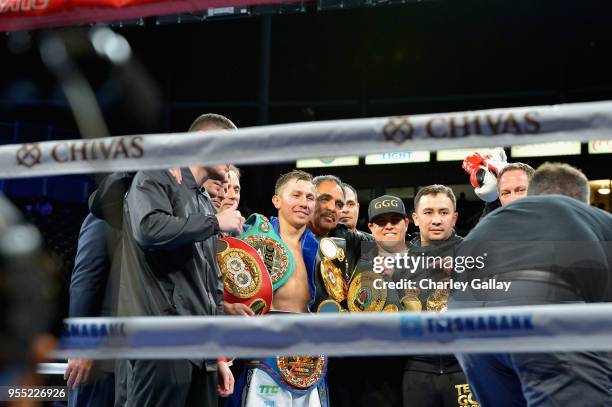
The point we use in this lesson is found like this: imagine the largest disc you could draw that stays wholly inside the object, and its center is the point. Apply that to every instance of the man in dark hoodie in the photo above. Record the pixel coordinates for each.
(431, 380)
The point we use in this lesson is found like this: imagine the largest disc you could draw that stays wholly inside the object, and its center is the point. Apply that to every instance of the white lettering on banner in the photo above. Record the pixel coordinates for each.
(22, 5)
(290, 142)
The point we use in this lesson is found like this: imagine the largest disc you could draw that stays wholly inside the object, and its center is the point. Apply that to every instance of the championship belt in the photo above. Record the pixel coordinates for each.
(261, 236)
(332, 275)
(245, 277)
(363, 296)
(301, 372)
(297, 374)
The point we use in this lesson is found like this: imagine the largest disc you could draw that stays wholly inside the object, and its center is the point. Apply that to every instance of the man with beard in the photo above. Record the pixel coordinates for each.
(330, 201)
(431, 380)
(550, 247)
(294, 198)
(324, 224)
(168, 268)
(388, 224)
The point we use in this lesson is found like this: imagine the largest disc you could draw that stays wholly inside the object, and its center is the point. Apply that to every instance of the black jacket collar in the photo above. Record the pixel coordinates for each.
(415, 241)
(188, 179)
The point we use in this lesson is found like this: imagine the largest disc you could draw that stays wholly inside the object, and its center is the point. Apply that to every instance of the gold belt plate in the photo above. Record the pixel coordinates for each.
(334, 282)
(301, 371)
(273, 254)
(241, 274)
(363, 297)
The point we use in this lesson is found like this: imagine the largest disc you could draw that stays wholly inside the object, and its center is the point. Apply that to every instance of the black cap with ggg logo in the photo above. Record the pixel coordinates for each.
(385, 204)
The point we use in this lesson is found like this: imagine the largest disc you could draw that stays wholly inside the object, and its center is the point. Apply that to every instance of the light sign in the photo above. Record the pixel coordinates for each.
(398, 157)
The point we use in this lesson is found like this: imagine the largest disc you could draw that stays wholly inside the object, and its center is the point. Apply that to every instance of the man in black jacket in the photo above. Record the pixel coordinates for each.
(381, 385)
(330, 200)
(168, 267)
(549, 249)
(432, 380)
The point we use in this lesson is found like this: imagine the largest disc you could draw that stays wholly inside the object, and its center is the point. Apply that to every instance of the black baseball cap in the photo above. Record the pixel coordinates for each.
(385, 204)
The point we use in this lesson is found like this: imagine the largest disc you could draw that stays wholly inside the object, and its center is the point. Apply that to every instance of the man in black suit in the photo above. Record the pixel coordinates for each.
(91, 295)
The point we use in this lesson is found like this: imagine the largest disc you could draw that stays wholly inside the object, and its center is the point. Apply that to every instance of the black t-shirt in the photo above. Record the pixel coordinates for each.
(549, 233)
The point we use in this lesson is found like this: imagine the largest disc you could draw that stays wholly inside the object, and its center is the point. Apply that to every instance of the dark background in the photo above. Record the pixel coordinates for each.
(316, 61)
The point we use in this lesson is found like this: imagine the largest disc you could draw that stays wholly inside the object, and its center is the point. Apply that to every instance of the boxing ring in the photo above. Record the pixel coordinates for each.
(544, 329)
(517, 329)
(521, 329)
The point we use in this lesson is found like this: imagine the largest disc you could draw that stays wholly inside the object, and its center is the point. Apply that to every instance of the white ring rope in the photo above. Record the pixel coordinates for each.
(544, 328)
(278, 143)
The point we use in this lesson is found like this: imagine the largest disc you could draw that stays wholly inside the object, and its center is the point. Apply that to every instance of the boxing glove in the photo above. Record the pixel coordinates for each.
(483, 172)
